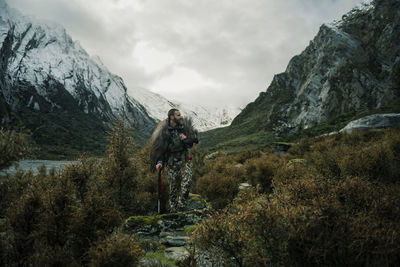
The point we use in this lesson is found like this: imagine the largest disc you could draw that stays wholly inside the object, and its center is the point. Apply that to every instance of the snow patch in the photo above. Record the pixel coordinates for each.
(203, 118)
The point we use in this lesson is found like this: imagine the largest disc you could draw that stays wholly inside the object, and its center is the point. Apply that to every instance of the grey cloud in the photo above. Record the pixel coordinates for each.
(238, 44)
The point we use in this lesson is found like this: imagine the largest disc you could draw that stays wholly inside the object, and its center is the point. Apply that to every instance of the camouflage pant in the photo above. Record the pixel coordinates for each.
(180, 181)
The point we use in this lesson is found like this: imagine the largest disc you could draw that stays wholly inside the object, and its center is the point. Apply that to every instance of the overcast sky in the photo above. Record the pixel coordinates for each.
(208, 52)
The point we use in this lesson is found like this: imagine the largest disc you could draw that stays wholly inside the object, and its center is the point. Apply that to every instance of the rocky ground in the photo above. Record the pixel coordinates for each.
(165, 236)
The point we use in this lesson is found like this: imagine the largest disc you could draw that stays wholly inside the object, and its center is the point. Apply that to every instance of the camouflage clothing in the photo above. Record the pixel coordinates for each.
(168, 149)
(180, 181)
(179, 170)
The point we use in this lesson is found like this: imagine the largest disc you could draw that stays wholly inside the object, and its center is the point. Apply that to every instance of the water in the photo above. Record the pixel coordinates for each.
(33, 165)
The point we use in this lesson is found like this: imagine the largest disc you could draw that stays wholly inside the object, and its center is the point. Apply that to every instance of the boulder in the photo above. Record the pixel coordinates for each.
(376, 121)
(175, 241)
(179, 254)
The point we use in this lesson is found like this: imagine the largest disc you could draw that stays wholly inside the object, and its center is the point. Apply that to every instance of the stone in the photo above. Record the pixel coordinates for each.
(243, 186)
(195, 202)
(165, 234)
(177, 253)
(376, 121)
(175, 241)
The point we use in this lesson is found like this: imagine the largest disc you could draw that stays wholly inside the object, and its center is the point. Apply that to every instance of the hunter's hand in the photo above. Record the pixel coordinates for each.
(158, 166)
(182, 137)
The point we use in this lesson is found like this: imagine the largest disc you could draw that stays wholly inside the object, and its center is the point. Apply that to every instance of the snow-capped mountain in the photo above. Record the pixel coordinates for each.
(43, 70)
(204, 118)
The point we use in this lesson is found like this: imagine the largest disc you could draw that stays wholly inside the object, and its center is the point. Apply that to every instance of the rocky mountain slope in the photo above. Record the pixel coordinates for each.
(52, 86)
(349, 70)
(43, 69)
(204, 119)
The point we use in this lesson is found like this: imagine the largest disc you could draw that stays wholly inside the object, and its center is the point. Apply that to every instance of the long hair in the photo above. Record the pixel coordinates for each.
(158, 143)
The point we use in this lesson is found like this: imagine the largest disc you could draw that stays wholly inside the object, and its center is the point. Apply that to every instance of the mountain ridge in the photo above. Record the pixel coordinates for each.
(204, 118)
(53, 87)
(350, 69)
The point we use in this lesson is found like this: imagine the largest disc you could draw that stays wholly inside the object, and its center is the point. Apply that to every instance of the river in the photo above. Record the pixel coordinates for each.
(33, 165)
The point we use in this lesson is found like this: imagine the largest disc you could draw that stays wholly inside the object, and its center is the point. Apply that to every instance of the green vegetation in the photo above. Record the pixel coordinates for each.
(13, 146)
(116, 250)
(254, 136)
(60, 135)
(331, 201)
(75, 217)
(233, 139)
(160, 258)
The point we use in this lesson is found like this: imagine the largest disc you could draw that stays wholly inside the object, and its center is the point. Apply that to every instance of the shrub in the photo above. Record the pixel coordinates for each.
(146, 194)
(309, 221)
(119, 177)
(337, 207)
(14, 145)
(83, 174)
(116, 250)
(246, 155)
(93, 220)
(248, 233)
(261, 170)
(220, 184)
(198, 165)
(325, 158)
(302, 147)
(376, 162)
(22, 223)
(12, 187)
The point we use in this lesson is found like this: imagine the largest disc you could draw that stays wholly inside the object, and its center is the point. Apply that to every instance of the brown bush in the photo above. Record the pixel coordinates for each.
(373, 155)
(246, 155)
(375, 162)
(325, 158)
(93, 220)
(302, 147)
(14, 145)
(54, 218)
(218, 188)
(340, 206)
(12, 187)
(83, 174)
(198, 165)
(22, 225)
(261, 170)
(116, 250)
(248, 233)
(336, 222)
(220, 184)
(311, 221)
(120, 172)
(146, 195)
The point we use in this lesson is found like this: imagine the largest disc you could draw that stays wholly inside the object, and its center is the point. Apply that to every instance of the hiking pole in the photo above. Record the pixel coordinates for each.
(159, 191)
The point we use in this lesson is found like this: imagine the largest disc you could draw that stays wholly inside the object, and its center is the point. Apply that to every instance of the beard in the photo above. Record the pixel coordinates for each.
(178, 121)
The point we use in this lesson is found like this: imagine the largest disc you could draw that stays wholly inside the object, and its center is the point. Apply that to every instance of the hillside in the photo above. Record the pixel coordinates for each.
(350, 69)
(50, 84)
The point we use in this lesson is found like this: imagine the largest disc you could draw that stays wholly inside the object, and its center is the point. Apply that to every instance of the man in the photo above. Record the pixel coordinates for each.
(169, 147)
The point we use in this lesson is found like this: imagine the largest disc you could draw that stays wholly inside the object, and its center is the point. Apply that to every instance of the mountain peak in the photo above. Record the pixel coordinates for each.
(203, 118)
(48, 71)
(351, 67)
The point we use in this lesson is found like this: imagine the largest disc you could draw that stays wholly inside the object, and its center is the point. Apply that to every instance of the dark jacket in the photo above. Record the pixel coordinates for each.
(165, 142)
